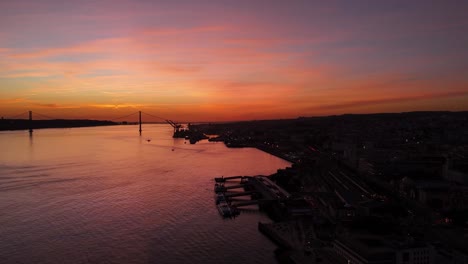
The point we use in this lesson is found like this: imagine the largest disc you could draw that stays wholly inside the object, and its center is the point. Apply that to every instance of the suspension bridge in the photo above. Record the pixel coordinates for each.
(25, 121)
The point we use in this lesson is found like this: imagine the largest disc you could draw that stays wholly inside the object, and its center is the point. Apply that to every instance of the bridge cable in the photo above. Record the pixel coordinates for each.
(124, 116)
(45, 116)
(15, 116)
(154, 116)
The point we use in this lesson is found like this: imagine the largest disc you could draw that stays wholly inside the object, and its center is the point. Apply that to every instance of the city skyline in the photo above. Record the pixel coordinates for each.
(224, 61)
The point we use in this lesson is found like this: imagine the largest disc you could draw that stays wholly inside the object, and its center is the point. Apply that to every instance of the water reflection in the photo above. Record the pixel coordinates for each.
(99, 195)
(31, 139)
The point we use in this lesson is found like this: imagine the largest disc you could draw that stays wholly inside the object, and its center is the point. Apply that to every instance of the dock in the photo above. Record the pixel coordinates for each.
(260, 189)
(224, 179)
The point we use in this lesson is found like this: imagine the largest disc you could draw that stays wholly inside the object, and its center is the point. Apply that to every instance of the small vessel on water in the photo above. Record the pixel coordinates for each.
(219, 188)
(224, 207)
(227, 211)
(219, 198)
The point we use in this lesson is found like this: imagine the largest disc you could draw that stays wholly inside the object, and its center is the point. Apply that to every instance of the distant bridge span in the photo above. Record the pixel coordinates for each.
(29, 116)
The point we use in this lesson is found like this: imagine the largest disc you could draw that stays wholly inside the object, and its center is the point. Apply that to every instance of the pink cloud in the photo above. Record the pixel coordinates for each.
(187, 30)
(97, 46)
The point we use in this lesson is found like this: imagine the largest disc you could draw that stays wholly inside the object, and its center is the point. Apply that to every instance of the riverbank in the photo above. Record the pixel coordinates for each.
(276, 153)
(271, 151)
(24, 124)
(291, 240)
(276, 232)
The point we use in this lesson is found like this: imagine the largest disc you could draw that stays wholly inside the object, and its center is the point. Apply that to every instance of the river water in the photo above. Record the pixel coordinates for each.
(107, 195)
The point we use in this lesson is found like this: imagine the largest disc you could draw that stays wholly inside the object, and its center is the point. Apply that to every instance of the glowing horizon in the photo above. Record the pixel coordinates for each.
(220, 61)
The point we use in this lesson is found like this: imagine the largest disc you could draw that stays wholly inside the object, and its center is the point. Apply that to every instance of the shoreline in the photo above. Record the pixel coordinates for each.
(277, 154)
(24, 124)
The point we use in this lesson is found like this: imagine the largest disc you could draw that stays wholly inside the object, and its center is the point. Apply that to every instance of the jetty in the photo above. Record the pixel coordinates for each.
(225, 179)
(260, 189)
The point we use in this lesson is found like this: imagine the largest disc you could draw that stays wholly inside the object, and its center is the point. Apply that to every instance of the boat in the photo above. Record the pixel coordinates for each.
(220, 179)
(219, 188)
(226, 210)
(219, 198)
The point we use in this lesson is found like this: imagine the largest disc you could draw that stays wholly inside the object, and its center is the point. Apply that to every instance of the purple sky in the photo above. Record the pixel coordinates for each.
(231, 60)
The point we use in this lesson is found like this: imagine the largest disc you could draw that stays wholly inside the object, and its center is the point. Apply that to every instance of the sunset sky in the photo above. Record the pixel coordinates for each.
(232, 60)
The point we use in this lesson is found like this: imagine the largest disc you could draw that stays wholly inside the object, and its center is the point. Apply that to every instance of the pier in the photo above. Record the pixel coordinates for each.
(224, 179)
(237, 194)
(222, 188)
(260, 189)
(246, 203)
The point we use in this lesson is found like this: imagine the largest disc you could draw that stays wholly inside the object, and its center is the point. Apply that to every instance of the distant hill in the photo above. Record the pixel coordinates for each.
(23, 124)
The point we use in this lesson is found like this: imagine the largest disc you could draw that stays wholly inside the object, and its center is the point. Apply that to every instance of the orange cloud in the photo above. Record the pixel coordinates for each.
(219, 69)
(55, 106)
(12, 101)
(116, 106)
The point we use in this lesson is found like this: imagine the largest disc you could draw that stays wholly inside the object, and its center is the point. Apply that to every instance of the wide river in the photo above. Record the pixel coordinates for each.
(107, 195)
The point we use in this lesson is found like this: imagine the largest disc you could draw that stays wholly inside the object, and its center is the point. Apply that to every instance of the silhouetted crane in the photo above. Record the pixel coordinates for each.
(174, 125)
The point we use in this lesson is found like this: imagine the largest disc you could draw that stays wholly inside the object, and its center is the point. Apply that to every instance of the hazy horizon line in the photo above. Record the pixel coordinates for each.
(249, 120)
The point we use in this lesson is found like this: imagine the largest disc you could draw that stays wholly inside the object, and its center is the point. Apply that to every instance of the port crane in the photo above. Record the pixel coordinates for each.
(174, 125)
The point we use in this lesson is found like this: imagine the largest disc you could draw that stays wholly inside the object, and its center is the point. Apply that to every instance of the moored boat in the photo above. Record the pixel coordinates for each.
(219, 198)
(218, 187)
(226, 210)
